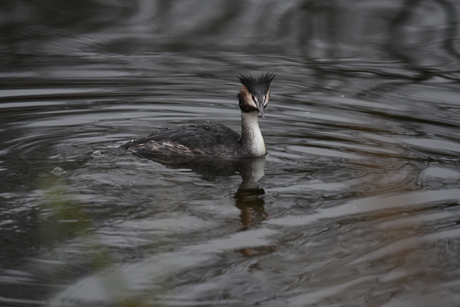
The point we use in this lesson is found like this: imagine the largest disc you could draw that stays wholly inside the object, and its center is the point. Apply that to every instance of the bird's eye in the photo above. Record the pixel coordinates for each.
(254, 98)
(266, 100)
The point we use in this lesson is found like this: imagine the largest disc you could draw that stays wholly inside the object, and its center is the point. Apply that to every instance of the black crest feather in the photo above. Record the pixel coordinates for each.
(257, 85)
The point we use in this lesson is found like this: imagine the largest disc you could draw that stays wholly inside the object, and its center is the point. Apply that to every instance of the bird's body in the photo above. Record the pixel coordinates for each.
(212, 139)
(207, 139)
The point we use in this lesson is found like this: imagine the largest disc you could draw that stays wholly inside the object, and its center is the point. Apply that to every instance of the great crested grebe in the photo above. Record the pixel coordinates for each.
(212, 139)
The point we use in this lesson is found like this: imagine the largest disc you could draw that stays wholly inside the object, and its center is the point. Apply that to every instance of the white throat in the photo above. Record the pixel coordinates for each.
(251, 136)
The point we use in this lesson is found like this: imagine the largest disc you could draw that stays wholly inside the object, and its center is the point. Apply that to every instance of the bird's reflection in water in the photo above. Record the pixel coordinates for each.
(248, 196)
(249, 200)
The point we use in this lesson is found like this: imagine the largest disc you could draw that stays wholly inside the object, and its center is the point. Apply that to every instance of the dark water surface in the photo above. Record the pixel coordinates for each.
(356, 204)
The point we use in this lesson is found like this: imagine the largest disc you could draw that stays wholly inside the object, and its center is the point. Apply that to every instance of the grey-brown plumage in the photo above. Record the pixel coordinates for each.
(212, 139)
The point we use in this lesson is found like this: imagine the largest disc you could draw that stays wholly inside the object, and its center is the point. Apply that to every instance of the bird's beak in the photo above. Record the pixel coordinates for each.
(260, 105)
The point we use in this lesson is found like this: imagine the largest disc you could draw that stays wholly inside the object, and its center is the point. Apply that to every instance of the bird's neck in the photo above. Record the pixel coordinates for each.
(251, 136)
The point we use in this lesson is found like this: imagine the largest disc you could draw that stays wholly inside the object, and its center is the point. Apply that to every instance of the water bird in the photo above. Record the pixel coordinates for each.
(211, 139)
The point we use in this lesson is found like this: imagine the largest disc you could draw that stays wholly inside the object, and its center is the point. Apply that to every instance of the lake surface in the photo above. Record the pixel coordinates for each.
(356, 204)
